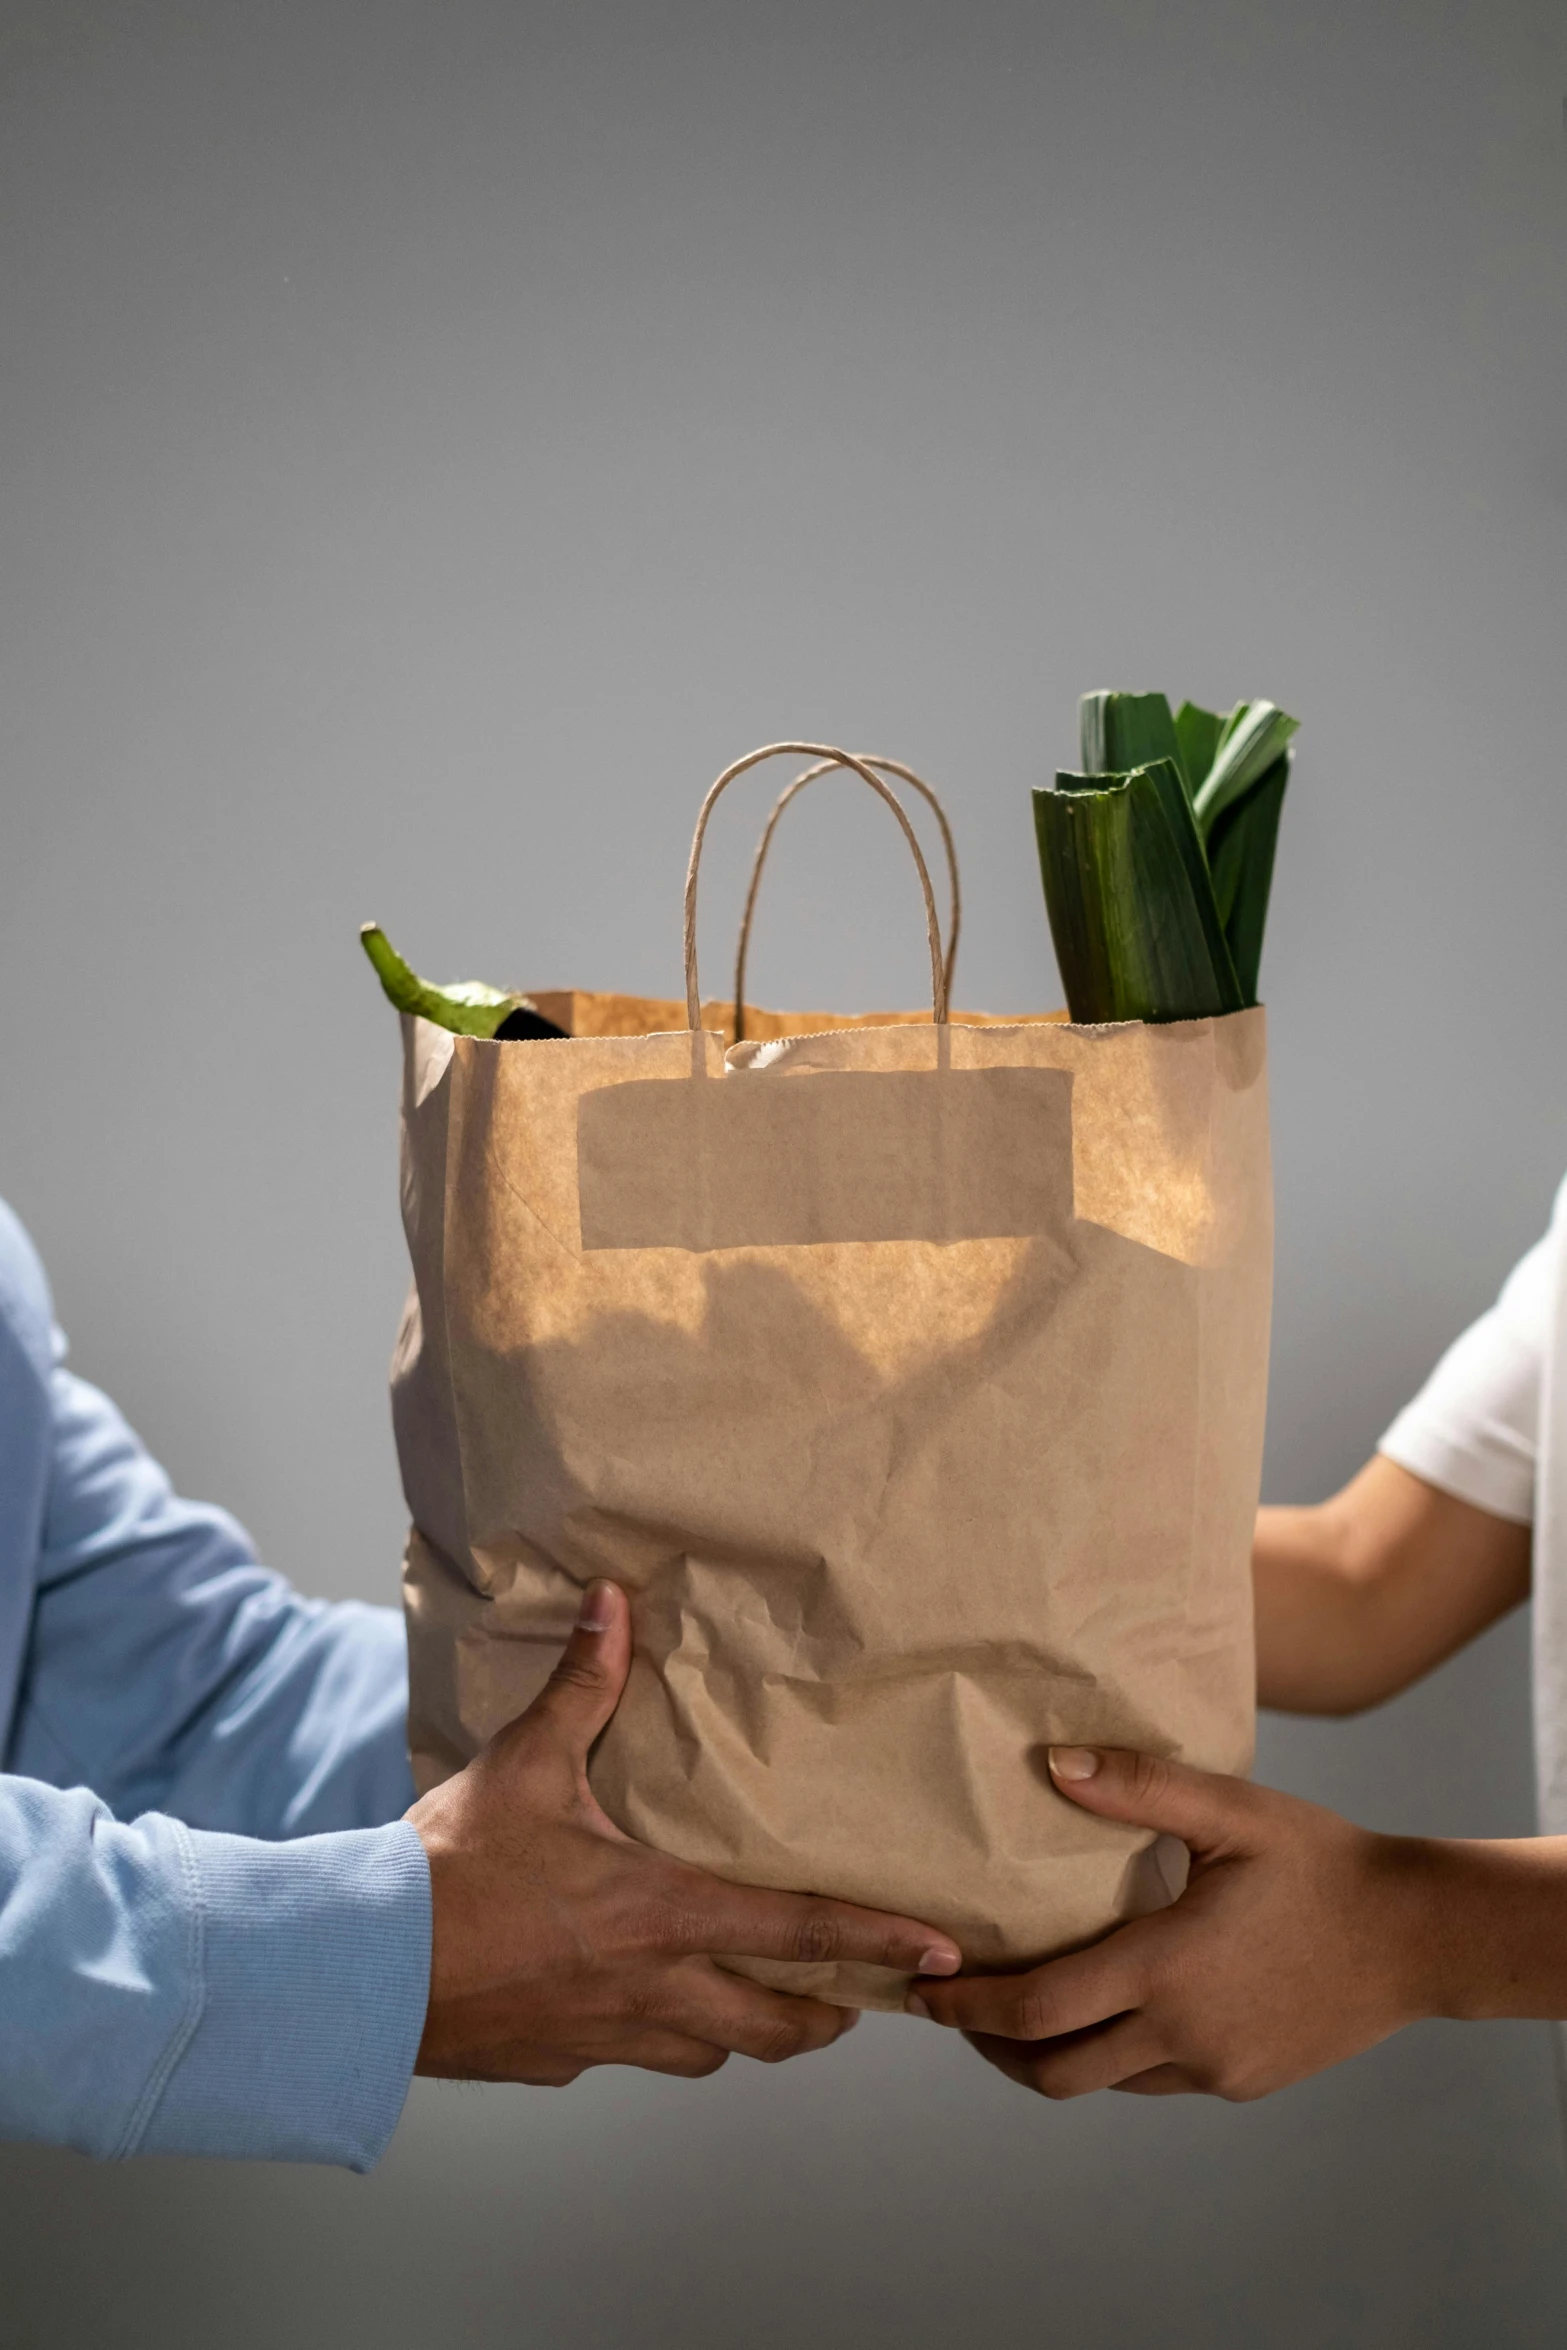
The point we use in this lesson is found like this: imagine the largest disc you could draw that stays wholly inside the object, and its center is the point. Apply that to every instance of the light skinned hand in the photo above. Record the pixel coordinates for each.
(560, 1943)
(1299, 1940)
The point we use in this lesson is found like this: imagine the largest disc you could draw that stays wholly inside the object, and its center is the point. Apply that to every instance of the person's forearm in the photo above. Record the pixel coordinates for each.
(1487, 1933)
(169, 1671)
(1335, 1632)
(1361, 1595)
(1310, 1607)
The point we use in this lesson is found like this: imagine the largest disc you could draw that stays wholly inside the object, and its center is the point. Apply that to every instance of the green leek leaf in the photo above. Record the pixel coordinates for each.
(1121, 731)
(1255, 734)
(1166, 780)
(1131, 905)
(1240, 852)
(1158, 859)
(1197, 733)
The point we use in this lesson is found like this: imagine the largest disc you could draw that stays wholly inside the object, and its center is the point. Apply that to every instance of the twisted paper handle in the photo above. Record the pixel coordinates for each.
(826, 767)
(832, 757)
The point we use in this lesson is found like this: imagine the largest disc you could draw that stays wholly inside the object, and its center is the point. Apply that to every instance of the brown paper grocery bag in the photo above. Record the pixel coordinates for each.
(910, 1376)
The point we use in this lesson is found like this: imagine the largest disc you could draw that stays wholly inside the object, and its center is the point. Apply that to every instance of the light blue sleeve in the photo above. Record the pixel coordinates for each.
(214, 1924)
(176, 1991)
(166, 1670)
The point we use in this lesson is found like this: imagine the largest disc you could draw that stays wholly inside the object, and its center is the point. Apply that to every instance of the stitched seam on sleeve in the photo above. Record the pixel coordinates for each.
(195, 2000)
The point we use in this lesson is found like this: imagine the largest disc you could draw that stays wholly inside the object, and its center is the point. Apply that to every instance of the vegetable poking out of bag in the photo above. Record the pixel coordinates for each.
(1158, 858)
(468, 1007)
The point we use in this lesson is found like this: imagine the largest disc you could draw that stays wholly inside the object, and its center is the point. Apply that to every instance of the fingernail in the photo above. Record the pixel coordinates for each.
(940, 1961)
(915, 2005)
(595, 1612)
(1073, 1762)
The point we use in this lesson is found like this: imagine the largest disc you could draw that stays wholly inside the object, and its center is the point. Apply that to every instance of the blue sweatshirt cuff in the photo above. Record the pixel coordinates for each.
(311, 1965)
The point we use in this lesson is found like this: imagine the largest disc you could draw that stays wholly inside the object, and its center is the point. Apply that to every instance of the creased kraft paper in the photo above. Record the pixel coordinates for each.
(912, 1382)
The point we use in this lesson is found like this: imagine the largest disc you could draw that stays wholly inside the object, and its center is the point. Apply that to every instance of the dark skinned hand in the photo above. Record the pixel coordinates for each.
(560, 1943)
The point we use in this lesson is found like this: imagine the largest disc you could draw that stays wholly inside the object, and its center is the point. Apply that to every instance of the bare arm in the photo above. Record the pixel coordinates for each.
(1361, 1595)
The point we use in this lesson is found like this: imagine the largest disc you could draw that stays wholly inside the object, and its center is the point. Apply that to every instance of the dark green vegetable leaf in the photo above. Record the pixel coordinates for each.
(1197, 733)
(1121, 731)
(1131, 905)
(1240, 853)
(1165, 778)
(1158, 860)
(1255, 734)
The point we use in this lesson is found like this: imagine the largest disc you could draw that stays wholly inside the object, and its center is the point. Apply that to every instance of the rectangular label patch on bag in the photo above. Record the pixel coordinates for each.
(750, 1160)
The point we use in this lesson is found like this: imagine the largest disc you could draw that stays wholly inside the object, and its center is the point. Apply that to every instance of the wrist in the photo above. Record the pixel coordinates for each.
(314, 1966)
(1424, 1972)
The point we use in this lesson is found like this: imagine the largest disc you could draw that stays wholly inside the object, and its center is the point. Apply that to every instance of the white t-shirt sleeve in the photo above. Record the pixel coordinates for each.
(1473, 1430)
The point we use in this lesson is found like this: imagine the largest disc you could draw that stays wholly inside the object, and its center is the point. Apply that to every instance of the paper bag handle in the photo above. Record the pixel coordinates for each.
(834, 758)
(826, 767)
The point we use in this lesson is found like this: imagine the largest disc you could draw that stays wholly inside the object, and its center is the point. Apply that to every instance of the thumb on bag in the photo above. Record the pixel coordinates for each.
(583, 1691)
(1208, 1812)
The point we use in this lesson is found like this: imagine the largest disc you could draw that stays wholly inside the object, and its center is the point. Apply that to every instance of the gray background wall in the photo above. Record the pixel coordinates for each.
(433, 440)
